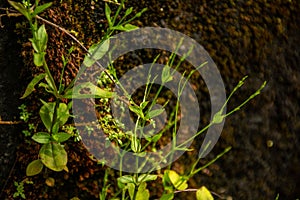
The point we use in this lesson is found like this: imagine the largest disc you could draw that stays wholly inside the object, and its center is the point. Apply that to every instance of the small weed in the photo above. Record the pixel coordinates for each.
(20, 188)
(24, 114)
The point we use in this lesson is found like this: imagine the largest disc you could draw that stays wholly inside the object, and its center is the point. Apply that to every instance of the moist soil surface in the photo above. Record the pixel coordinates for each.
(255, 38)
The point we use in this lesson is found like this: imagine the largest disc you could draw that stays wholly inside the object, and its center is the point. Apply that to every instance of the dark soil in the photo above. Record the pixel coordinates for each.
(256, 38)
(10, 89)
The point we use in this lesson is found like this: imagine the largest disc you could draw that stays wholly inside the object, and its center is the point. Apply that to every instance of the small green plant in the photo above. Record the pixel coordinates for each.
(31, 129)
(70, 129)
(24, 114)
(135, 185)
(56, 113)
(20, 188)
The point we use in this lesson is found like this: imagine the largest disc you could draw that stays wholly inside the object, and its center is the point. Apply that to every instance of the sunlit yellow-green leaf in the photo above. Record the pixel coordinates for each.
(47, 112)
(53, 156)
(168, 196)
(204, 194)
(142, 193)
(34, 168)
(41, 137)
(38, 58)
(42, 38)
(125, 179)
(61, 136)
(178, 181)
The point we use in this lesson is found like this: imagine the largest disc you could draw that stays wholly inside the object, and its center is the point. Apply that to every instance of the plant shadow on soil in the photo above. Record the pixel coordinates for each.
(247, 38)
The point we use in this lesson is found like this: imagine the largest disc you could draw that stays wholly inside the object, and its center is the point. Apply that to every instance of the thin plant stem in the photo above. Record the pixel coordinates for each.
(210, 162)
(77, 41)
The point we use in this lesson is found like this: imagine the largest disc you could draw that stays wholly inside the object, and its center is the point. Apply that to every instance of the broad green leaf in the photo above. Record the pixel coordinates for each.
(46, 114)
(94, 92)
(142, 193)
(131, 188)
(62, 114)
(107, 14)
(31, 85)
(137, 110)
(42, 38)
(204, 194)
(53, 156)
(41, 8)
(120, 184)
(178, 181)
(55, 127)
(97, 51)
(166, 74)
(147, 177)
(34, 168)
(42, 137)
(125, 179)
(154, 113)
(168, 196)
(61, 137)
(38, 59)
(20, 7)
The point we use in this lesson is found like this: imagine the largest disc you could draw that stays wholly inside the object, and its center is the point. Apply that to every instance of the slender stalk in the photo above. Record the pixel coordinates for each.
(118, 11)
(77, 41)
(63, 30)
(105, 180)
(210, 162)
